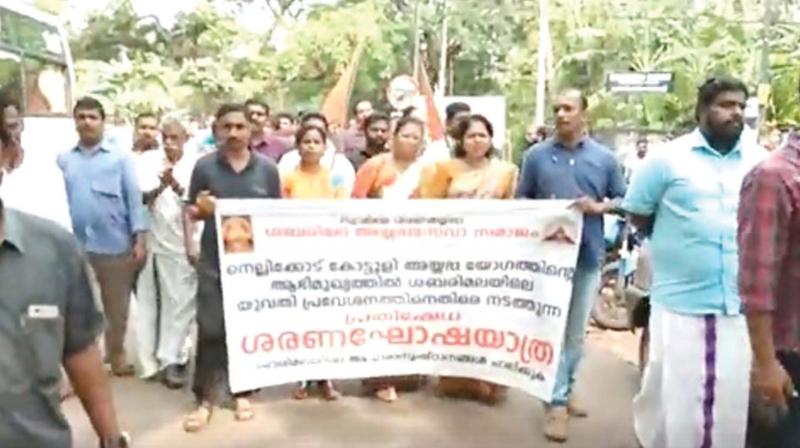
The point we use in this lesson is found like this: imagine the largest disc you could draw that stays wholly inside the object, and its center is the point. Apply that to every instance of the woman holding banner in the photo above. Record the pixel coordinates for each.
(394, 175)
(473, 173)
(310, 180)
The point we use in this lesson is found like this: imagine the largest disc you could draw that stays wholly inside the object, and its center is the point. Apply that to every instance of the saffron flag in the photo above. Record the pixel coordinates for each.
(335, 105)
(436, 129)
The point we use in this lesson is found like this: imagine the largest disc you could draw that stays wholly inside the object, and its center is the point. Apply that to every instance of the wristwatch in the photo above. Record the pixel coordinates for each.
(122, 441)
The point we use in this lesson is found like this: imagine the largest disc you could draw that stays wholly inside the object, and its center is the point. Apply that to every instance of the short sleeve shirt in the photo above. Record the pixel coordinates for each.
(213, 173)
(47, 313)
(551, 171)
(692, 192)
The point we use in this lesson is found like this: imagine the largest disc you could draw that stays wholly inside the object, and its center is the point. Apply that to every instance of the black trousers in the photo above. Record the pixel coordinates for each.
(211, 383)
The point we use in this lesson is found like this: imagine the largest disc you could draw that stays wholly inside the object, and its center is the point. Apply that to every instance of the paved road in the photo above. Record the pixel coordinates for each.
(153, 416)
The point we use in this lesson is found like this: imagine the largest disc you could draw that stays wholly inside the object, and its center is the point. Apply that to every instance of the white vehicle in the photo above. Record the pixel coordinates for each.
(37, 73)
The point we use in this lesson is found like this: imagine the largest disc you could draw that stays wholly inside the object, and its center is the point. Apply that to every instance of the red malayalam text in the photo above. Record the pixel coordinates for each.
(528, 349)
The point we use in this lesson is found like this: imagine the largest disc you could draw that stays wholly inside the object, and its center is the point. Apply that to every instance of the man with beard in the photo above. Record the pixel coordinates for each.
(48, 318)
(145, 133)
(262, 142)
(167, 284)
(574, 166)
(376, 130)
(108, 218)
(696, 385)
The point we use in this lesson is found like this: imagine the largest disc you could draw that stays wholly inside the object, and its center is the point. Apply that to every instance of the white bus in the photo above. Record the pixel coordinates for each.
(37, 73)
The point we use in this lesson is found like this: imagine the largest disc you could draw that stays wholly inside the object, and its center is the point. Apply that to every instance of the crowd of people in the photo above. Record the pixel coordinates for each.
(722, 223)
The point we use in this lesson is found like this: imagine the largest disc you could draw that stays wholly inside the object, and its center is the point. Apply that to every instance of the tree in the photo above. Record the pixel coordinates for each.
(492, 49)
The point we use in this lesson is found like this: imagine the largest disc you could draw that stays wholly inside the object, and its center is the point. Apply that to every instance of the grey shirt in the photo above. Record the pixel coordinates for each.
(47, 313)
(259, 180)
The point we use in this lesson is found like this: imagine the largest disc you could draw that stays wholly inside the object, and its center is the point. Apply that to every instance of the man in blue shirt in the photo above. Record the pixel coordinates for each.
(107, 218)
(695, 389)
(572, 165)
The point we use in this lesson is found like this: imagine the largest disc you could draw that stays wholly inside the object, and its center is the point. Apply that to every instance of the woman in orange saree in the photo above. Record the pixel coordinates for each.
(394, 175)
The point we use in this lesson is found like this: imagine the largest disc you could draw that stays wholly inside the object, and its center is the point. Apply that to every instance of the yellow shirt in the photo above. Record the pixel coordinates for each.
(302, 184)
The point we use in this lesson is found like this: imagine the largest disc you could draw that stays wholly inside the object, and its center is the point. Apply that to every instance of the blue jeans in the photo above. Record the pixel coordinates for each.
(585, 285)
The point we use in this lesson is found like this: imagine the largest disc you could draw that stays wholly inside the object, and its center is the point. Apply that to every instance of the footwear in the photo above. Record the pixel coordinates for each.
(198, 419)
(576, 409)
(120, 366)
(153, 378)
(328, 391)
(122, 369)
(301, 393)
(174, 376)
(387, 394)
(244, 410)
(556, 424)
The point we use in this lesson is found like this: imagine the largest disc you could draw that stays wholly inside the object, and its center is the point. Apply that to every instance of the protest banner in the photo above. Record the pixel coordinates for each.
(357, 289)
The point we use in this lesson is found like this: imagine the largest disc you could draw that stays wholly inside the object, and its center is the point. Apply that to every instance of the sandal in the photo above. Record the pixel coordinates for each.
(387, 394)
(329, 393)
(301, 393)
(244, 410)
(198, 419)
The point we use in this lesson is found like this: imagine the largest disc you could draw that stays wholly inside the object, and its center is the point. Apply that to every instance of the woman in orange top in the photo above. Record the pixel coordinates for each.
(395, 174)
(471, 174)
(310, 180)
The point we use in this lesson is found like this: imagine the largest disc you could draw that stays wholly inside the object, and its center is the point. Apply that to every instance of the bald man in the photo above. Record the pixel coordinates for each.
(167, 284)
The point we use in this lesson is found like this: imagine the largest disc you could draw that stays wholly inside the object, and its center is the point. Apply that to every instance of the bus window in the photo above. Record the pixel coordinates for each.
(10, 77)
(46, 85)
(31, 35)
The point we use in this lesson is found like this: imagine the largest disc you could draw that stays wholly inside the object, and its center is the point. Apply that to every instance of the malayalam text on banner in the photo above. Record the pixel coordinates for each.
(364, 288)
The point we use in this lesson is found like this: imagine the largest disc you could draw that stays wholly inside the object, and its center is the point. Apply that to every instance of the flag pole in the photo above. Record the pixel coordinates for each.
(541, 70)
(442, 83)
(416, 38)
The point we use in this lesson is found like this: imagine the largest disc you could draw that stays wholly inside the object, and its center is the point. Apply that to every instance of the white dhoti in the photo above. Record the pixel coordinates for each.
(696, 385)
(165, 296)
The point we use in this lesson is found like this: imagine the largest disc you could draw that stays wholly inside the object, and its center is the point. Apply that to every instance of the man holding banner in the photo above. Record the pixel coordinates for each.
(232, 172)
(574, 166)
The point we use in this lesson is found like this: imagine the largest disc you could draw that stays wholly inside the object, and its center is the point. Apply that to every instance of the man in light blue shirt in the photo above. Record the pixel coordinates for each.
(695, 389)
(108, 218)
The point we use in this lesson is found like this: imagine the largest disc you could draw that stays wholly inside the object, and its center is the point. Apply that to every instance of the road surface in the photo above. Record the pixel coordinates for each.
(152, 414)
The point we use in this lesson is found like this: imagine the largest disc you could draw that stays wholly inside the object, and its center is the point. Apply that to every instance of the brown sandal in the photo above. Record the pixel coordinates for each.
(198, 419)
(301, 393)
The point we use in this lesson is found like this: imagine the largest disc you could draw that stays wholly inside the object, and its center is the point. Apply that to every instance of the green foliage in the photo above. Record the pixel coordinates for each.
(492, 50)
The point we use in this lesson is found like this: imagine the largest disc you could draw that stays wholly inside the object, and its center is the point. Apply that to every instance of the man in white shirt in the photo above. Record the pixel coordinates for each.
(167, 284)
(342, 172)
